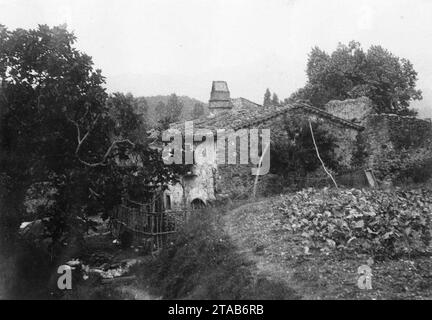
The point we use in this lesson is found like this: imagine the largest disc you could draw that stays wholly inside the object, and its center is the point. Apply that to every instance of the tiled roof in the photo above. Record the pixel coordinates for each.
(246, 114)
(323, 114)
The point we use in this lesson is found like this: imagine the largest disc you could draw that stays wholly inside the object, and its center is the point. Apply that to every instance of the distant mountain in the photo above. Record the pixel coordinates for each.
(153, 101)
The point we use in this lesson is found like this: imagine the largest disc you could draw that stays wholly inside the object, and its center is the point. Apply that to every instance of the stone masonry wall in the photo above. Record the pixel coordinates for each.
(386, 133)
(237, 180)
(344, 137)
(355, 110)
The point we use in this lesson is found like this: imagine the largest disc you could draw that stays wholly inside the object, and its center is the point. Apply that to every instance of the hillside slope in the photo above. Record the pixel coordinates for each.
(153, 101)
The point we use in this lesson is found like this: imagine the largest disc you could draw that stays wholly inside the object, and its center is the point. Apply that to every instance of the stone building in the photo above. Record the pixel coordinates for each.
(347, 121)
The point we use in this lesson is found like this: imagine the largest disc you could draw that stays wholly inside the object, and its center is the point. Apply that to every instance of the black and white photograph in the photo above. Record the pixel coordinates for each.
(183, 151)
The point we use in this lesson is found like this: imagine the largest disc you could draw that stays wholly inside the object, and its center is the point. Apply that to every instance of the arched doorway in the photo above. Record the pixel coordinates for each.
(197, 204)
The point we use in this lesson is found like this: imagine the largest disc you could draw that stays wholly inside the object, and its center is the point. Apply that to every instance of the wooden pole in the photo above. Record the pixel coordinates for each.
(317, 152)
(259, 169)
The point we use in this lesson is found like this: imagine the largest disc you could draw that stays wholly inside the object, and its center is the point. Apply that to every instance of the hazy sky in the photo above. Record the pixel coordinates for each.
(158, 47)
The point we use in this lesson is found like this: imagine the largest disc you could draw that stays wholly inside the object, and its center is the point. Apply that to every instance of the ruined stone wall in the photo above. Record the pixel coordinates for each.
(407, 132)
(344, 137)
(377, 138)
(384, 133)
(351, 109)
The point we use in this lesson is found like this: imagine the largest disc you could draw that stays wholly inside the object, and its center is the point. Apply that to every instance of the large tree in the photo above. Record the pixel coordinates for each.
(51, 98)
(59, 129)
(350, 72)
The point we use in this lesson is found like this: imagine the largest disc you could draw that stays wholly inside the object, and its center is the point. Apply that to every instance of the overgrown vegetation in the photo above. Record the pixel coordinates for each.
(202, 263)
(405, 166)
(379, 223)
(60, 130)
(293, 156)
(350, 72)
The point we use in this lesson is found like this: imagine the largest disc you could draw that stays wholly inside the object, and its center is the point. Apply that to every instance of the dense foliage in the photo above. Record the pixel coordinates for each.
(350, 72)
(293, 155)
(406, 165)
(61, 131)
(379, 223)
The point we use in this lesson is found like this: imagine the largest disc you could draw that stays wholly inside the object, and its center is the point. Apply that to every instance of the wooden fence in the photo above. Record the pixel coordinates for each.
(149, 229)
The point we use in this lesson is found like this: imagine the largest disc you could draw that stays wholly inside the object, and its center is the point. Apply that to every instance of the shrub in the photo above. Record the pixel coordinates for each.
(405, 165)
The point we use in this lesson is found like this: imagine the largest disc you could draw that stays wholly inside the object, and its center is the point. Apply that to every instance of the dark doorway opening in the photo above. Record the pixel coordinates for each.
(197, 204)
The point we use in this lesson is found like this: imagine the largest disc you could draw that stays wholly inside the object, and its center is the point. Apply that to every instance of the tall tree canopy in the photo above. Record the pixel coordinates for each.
(60, 129)
(350, 72)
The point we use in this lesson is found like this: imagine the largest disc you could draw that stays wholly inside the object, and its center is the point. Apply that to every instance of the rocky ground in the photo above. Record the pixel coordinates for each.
(105, 271)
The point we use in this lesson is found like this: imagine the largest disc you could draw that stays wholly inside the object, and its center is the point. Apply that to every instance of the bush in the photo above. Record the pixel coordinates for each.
(383, 224)
(412, 165)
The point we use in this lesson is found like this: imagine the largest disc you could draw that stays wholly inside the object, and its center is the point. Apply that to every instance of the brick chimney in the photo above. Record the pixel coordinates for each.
(220, 97)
